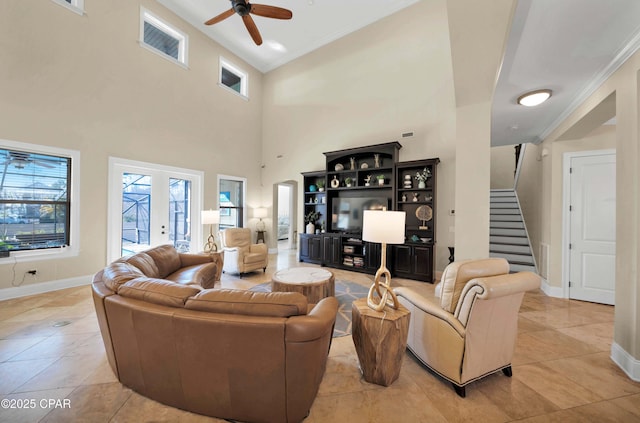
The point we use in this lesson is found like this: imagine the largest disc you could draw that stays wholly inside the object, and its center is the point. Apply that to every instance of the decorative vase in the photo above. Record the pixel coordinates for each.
(335, 183)
(352, 162)
(380, 181)
(312, 188)
(404, 198)
(422, 185)
(415, 196)
(311, 228)
(376, 160)
(321, 189)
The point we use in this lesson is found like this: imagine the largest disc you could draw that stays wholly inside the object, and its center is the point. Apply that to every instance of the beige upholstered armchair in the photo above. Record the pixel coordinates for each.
(240, 255)
(472, 332)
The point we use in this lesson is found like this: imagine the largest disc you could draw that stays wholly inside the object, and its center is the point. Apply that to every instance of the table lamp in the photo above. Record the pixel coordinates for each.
(210, 217)
(385, 227)
(260, 212)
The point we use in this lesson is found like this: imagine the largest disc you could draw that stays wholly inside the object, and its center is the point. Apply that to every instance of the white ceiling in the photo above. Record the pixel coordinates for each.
(568, 46)
(314, 24)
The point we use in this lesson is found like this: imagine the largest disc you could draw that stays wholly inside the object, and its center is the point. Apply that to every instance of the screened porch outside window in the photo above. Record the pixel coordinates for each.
(34, 200)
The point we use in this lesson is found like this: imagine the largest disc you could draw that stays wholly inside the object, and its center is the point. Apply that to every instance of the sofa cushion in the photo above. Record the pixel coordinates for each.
(200, 274)
(232, 301)
(118, 273)
(145, 263)
(158, 291)
(166, 258)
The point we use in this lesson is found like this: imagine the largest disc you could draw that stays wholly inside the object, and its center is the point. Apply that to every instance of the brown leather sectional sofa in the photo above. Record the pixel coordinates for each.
(231, 354)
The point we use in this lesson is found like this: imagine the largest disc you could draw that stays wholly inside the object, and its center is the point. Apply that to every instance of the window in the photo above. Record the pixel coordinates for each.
(162, 38)
(232, 193)
(35, 197)
(232, 77)
(76, 6)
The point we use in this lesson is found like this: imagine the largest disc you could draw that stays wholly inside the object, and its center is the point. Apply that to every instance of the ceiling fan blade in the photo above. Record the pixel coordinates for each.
(271, 11)
(252, 28)
(222, 16)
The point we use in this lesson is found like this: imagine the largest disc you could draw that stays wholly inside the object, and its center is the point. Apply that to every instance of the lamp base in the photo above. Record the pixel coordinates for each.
(380, 294)
(210, 246)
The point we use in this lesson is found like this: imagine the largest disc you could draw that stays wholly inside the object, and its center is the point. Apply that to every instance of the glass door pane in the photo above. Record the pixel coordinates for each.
(136, 213)
(179, 213)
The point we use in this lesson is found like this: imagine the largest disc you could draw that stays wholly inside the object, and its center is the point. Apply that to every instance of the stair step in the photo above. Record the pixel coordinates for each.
(502, 193)
(498, 206)
(503, 200)
(509, 248)
(505, 217)
(512, 240)
(505, 212)
(514, 258)
(522, 268)
(508, 232)
(505, 225)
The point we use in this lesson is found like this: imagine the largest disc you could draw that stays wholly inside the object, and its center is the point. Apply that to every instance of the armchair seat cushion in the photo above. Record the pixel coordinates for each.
(251, 258)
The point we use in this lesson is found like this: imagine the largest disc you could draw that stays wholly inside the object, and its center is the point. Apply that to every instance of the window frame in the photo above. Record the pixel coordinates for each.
(76, 6)
(244, 77)
(243, 209)
(162, 25)
(73, 249)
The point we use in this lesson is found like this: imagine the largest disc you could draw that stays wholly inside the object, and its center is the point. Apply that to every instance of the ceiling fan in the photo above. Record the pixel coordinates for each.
(244, 8)
(20, 159)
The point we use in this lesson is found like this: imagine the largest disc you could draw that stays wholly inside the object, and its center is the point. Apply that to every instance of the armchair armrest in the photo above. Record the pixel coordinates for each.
(259, 248)
(431, 309)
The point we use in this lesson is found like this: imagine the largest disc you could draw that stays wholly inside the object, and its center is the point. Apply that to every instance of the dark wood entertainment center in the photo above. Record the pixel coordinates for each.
(351, 184)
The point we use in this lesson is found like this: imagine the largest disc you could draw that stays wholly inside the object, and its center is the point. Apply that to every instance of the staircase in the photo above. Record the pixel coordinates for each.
(508, 234)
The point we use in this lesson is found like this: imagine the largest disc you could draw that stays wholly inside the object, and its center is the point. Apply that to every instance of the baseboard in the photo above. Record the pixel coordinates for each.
(626, 362)
(551, 291)
(40, 288)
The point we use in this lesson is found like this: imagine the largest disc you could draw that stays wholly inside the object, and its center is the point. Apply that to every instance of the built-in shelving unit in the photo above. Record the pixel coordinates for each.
(351, 180)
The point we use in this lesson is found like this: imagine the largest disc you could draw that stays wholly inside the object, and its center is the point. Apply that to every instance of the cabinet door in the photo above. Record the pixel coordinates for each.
(316, 248)
(402, 259)
(422, 258)
(373, 257)
(330, 249)
(305, 248)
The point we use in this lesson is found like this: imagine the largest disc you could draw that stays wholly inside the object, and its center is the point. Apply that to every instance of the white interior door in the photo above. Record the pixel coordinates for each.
(152, 205)
(592, 248)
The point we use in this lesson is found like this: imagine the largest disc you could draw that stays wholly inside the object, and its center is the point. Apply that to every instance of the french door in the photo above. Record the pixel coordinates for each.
(152, 205)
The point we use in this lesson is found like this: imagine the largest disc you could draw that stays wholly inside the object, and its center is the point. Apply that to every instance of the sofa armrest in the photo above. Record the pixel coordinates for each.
(194, 259)
(315, 324)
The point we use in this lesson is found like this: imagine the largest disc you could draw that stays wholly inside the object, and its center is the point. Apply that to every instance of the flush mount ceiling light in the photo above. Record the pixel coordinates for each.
(534, 98)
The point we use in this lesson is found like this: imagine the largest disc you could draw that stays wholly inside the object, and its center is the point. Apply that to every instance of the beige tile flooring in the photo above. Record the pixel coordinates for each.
(561, 371)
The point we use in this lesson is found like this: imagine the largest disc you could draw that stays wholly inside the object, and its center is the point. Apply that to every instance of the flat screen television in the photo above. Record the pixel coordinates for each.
(346, 213)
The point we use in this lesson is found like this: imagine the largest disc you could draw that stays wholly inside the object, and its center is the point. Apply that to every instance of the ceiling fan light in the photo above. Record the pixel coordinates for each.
(534, 98)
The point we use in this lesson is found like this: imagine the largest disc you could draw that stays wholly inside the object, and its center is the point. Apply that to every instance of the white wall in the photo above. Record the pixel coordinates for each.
(84, 83)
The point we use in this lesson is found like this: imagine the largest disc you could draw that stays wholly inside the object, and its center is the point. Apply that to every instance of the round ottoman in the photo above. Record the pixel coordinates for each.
(313, 283)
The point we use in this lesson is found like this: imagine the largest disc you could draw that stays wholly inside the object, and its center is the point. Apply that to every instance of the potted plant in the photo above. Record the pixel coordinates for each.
(380, 179)
(310, 219)
(422, 178)
(347, 181)
(4, 249)
(320, 185)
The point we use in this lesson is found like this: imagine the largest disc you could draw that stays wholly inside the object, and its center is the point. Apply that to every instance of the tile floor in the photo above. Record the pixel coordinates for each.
(561, 371)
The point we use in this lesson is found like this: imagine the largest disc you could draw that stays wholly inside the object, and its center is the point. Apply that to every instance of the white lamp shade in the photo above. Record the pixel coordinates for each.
(383, 226)
(210, 217)
(260, 212)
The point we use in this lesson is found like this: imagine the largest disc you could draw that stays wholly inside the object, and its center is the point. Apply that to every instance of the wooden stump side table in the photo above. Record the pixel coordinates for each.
(313, 283)
(380, 338)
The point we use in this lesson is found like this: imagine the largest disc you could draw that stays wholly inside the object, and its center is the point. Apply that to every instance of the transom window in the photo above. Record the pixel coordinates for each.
(76, 6)
(35, 205)
(233, 78)
(162, 38)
